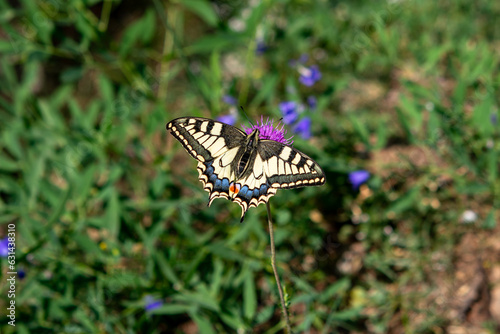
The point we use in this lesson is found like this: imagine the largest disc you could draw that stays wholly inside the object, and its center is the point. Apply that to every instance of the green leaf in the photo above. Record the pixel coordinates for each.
(481, 116)
(249, 296)
(172, 308)
(490, 222)
(203, 9)
(204, 325)
(201, 299)
(111, 220)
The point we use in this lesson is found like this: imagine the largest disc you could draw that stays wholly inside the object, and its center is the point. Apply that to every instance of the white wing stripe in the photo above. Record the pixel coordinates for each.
(217, 129)
(216, 146)
(203, 127)
(296, 159)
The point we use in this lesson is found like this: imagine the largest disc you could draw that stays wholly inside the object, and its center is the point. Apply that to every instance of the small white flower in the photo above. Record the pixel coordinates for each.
(468, 217)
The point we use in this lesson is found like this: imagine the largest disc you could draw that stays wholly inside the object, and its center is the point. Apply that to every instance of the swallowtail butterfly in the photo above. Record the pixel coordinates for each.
(243, 168)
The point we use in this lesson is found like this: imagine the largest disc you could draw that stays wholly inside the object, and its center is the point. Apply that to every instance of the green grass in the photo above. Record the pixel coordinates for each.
(108, 208)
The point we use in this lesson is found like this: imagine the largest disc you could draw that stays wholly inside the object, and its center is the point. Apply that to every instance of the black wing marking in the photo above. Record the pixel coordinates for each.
(203, 138)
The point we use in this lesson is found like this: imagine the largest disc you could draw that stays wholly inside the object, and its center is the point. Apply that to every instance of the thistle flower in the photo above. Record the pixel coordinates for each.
(357, 178)
(303, 128)
(4, 247)
(289, 110)
(151, 303)
(268, 131)
(309, 76)
(228, 119)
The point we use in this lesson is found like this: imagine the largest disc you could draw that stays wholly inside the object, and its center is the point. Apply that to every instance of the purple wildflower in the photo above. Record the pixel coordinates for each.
(357, 178)
(312, 102)
(303, 128)
(261, 48)
(268, 131)
(228, 119)
(302, 60)
(309, 76)
(4, 247)
(229, 100)
(494, 118)
(20, 273)
(289, 111)
(151, 303)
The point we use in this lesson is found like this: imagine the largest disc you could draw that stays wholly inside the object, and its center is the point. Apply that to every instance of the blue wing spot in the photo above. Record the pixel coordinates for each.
(245, 192)
(225, 184)
(263, 189)
(212, 178)
(217, 185)
(256, 193)
(209, 168)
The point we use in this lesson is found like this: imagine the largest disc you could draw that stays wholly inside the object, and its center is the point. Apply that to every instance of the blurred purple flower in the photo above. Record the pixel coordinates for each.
(309, 76)
(20, 273)
(261, 48)
(268, 131)
(4, 247)
(312, 102)
(229, 100)
(151, 303)
(228, 119)
(289, 111)
(303, 128)
(357, 178)
(302, 60)
(494, 118)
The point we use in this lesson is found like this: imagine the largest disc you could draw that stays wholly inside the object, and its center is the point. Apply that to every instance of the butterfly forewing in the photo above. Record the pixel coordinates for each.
(203, 138)
(287, 167)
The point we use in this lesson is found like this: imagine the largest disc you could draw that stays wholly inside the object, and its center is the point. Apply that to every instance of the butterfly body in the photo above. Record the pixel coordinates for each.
(243, 168)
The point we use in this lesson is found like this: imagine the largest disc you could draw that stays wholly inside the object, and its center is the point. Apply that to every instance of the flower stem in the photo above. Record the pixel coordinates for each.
(276, 276)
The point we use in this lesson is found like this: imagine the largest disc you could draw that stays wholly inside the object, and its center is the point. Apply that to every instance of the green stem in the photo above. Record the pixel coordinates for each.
(276, 276)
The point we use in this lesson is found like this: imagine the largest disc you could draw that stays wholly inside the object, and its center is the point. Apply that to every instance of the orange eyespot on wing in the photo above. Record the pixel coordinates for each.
(234, 188)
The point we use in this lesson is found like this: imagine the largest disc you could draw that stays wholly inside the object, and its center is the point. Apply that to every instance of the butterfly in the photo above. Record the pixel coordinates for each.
(240, 167)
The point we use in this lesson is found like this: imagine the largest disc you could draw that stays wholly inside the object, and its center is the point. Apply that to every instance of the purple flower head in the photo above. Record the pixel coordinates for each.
(289, 111)
(494, 118)
(151, 303)
(309, 76)
(303, 128)
(229, 100)
(357, 178)
(261, 48)
(312, 102)
(4, 247)
(268, 131)
(228, 119)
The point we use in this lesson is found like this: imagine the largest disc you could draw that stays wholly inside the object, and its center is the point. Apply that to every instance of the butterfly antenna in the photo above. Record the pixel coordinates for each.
(246, 115)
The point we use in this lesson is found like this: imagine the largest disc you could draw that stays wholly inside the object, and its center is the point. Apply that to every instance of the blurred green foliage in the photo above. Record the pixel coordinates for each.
(107, 206)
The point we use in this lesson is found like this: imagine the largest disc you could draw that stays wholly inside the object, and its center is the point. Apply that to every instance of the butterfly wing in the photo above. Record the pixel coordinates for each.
(287, 168)
(205, 139)
(215, 145)
(218, 147)
(276, 166)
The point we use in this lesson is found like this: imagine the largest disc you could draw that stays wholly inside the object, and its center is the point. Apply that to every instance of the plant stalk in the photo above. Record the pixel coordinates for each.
(276, 276)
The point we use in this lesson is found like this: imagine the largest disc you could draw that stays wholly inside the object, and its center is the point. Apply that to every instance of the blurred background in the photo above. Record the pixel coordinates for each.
(396, 100)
